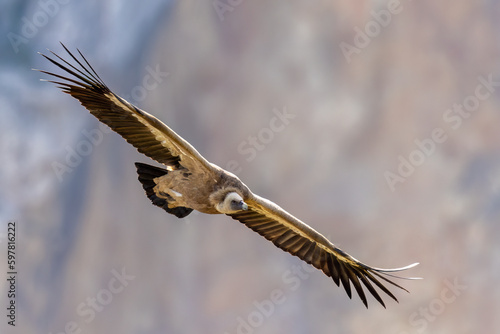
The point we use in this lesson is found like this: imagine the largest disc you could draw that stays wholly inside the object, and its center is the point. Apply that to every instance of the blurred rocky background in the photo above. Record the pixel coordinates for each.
(375, 122)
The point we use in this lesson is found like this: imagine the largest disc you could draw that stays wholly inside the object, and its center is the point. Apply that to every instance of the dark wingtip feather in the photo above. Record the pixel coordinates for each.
(344, 278)
(370, 287)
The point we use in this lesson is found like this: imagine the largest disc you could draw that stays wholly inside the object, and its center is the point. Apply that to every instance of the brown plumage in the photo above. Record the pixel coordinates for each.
(190, 182)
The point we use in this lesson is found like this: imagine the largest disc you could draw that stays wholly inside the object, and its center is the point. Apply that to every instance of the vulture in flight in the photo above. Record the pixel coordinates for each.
(190, 182)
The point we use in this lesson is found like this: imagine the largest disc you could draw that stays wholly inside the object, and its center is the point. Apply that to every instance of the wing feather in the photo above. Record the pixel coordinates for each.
(145, 132)
(334, 269)
(297, 238)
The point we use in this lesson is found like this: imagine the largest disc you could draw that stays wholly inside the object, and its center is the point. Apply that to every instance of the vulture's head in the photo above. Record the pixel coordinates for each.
(232, 202)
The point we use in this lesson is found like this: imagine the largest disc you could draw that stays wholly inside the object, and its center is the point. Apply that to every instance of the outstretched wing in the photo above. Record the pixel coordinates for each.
(145, 132)
(297, 238)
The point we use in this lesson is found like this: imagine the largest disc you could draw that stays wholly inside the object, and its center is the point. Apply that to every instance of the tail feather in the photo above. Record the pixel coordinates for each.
(147, 174)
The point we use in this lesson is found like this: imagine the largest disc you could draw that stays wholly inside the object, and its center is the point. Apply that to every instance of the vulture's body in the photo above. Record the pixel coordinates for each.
(189, 182)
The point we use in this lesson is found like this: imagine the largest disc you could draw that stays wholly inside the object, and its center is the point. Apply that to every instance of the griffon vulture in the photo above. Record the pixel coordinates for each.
(190, 182)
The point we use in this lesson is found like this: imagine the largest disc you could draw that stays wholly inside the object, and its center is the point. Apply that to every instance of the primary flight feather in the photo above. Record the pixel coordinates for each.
(190, 182)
